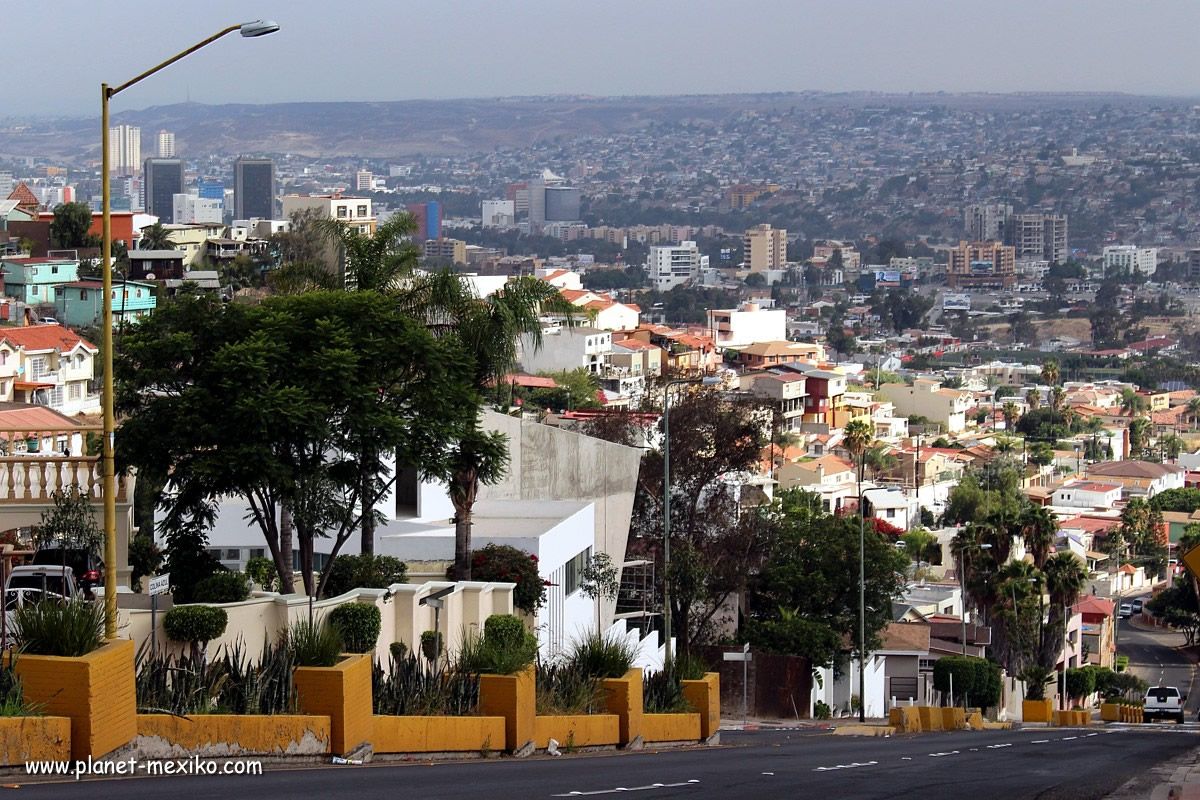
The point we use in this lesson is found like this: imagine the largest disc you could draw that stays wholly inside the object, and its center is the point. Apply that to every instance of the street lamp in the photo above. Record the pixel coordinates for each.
(249, 30)
(962, 588)
(706, 381)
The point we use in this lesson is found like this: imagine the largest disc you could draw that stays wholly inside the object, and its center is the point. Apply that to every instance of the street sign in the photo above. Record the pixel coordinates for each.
(1191, 560)
(160, 584)
(737, 656)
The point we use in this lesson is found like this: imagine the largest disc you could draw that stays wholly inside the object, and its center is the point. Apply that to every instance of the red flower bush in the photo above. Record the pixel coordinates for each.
(506, 564)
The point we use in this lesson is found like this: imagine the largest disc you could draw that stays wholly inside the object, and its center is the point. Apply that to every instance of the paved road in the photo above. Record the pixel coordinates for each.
(1154, 657)
(1045, 763)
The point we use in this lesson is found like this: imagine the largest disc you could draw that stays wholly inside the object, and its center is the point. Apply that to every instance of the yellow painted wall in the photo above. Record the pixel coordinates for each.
(954, 719)
(671, 727)
(235, 734)
(95, 691)
(1110, 712)
(931, 718)
(514, 698)
(1036, 710)
(577, 730)
(34, 739)
(705, 697)
(905, 718)
(438, 734)
(342, 693)
(623, 697)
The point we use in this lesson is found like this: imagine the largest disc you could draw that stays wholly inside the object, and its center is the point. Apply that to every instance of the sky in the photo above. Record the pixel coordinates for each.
(416, 49)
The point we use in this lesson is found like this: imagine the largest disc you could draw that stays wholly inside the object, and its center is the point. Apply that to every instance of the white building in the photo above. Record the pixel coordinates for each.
(568, 349)
(560, 278)
(364, 181)
(191, 209)
(1128, 259)
(674, 265)
(1087, 494)
(166, 144)
(499, 213)
(746, 325)
(125, 149)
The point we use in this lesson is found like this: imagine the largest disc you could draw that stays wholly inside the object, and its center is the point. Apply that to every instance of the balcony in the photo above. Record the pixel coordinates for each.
(33, 479)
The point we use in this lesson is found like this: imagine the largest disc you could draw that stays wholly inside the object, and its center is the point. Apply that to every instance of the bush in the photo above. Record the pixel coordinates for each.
(53, 628)
(504, 630)
(1080, 682)
(433, 644)
(1102, 678)
(662, 692)
(221, 587)
(12, 694)
(988, 685)
(364, 571)
(1036, 677)
(956, 671)
(195, 624)
(603, 657)
(505, 648)
(398, 650)
(411, 688)
(144, 558)
(568, 688)
(358, 624)
(314, 645)
(503, 563)
(821, 710)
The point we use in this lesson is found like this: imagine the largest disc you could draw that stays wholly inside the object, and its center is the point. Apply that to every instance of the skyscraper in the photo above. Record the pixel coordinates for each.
(764, 247)
(124, 149)
(164, 180)
(429, 220)
(364, 181)
(166, 144)
(253, 188)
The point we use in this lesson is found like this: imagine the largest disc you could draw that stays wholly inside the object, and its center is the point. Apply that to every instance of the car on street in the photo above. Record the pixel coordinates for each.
(1137, 605)
(1163, 702)
(1126, 611)
(87, 567)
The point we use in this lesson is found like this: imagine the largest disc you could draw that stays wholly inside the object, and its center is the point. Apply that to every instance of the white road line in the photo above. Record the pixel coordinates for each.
(629, 789)
(1040, 741)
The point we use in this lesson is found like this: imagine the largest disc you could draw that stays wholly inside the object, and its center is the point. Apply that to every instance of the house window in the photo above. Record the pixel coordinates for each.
(574, 571)
(75, 392)
(33, 290)
(83, 294)
(925, 664)
(54, 270)
(39, 366)
(232, 554)
(891, 513)
(54, 396)
(362, 211)
(258, 552)
(341, 212)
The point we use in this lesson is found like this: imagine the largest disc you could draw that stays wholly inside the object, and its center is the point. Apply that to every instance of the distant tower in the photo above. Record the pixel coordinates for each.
(253, 188)
(166, 144)
(125, 149)
(164, 180)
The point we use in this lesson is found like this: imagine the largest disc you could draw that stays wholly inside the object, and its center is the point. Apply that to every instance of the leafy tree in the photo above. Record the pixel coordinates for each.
(316, 380)
(364, 571)
(714, 545)
(502, 562)
(1044, 425)
(187, 557)
(1041, 454)
(156, 237)
(71, 227)
(1022, 329)
(1186, 500)
(919, 543)
(756, 280)
(145, 557)
(576, 389)
(1011, 413)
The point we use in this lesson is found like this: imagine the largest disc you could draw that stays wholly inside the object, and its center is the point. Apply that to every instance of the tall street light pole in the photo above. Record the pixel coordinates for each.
(248, 30)
(709, 381)
(962, 589)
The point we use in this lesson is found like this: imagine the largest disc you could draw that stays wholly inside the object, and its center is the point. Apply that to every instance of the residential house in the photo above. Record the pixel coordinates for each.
(830, 477)
(787, 396)
(1087, 494)
(823, 402)
(892, 506)
(682, 351)
(746, 325)
(1139, 478)
(568, 349)
(81, 303)
(157, 265)
(927, 398)
(48, 365)
(767, 354)
(636, 357)
(562, 278)
(33, 281)
(1096, 630)
(191, 239)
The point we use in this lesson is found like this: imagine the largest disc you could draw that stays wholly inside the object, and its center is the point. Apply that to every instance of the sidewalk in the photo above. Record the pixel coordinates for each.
(769, 724)
(1177, 779)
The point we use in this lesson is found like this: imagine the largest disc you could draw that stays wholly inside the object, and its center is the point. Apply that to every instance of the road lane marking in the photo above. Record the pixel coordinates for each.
(1040, 741)
(1069, 738)
(686, 784)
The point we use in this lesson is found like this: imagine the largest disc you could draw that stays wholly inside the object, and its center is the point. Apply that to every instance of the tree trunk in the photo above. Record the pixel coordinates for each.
(285, 560)
(367, 543)
(306, 561)
(463, 497)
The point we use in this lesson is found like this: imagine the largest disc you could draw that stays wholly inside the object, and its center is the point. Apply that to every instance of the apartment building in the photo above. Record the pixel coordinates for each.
(671, 266)
(746, 325)
(786, 392)
(768, 354)
(764, 248)
(568, 349)
(978, 264)
(48, 365)
(452, 250)
(1128, 259)
(355, 212)
(927, 398)
(125, 149)
(34, 281)
(1037, 236)
(985, 222)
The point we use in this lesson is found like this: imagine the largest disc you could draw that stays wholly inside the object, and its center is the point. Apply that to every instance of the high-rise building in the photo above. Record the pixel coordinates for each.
(355, 212)
(253, 188)
(535, 190)
(1128, 259)
(190, 209)
(211, 190)
(164, 180)
(562, 203)
(364, 181)
(124, 149)
(985, 222)
(166, 144)
(981, 264)
(6, 183)
(674, 266)
(764, 247)
(1038, 236)
(1194, 265)
(429, 220)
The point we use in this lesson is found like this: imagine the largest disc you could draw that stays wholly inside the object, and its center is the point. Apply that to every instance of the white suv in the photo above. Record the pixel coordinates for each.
(1164, 701)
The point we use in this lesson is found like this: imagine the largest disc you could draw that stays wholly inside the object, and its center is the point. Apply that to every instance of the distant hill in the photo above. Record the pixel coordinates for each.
(450, 127)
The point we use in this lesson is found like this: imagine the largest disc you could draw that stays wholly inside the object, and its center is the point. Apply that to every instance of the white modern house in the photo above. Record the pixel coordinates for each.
(568, 349)
(1087, 494)
(746, 325)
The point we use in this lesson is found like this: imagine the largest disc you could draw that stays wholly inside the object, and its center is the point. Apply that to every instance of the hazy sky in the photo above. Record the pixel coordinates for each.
(403, 49)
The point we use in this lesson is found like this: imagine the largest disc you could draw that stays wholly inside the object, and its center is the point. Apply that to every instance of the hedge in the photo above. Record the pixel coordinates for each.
(359, 625)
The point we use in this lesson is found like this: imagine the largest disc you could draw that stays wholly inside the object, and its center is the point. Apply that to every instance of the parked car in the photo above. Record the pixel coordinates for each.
(47, 321)
(57, 581)
(1164, 701)
(1126, 611)
(87, 567)
(1138, 605)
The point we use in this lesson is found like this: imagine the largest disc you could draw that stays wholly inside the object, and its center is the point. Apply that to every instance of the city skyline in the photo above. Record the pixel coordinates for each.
(675, 48)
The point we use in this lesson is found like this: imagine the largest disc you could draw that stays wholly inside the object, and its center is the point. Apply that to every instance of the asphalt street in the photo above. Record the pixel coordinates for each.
(1154, 656)
(1043, 763)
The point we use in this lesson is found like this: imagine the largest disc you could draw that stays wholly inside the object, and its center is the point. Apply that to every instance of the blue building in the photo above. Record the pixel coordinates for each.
(429, 220)
(81, 303)
(211, 190)
(33, 280)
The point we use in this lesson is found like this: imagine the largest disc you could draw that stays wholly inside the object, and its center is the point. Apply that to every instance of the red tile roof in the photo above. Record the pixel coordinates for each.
(45, 337)
(1094, 605)
(24, 196)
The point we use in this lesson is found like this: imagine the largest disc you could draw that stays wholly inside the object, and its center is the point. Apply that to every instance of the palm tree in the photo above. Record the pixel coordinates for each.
(1050, 372)
(1193, 410)
(1005, 444)
(1139, 435)
(156, 237)
(856, 438)
(1010, 412)
(1065, 578)
(1038, 528)
(1132, 403)
(1034, 398)
(1015, 587)
(880, 458)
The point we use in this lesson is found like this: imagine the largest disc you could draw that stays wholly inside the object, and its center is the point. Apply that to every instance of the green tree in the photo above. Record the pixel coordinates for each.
(315, 381)
(1065, 576)
(70, 524)
(576, 389)
(919, 543)
(71, 227)
(156, 237)
(1011, 413)
(1039, 528)
(1132, 403)
(1139, 435)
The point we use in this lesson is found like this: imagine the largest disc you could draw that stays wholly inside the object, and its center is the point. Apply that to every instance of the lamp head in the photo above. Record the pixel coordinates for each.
(710, 380)
(259, 27)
